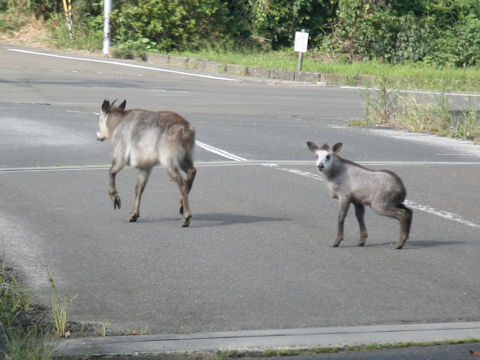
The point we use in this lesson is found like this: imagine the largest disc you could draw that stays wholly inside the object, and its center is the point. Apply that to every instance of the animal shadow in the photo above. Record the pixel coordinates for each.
(221, 219)
(411, 244)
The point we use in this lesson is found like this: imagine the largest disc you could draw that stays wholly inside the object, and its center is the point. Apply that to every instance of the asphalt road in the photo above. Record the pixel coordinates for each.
(258, 254)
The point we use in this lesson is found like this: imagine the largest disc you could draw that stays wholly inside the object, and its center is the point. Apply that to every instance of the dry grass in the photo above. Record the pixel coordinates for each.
(30, 31)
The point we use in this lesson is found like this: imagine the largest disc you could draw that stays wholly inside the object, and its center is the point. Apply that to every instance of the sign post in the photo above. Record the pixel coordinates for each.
(107, 9)
(300, 46)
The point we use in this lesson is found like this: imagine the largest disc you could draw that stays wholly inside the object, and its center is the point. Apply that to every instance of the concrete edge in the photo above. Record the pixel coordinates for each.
(211, 66)
(257, 341)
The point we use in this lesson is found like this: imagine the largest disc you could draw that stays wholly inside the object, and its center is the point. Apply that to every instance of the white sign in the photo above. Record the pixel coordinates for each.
(301, 41)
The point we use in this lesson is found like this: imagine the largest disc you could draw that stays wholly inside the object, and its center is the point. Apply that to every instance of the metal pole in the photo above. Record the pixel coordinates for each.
(107, 9)
(68, 15)
(70, 19)
(300, 61)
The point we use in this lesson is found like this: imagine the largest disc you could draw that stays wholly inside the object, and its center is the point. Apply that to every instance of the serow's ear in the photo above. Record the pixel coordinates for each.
(337, 147)
(106, 106)
(312, 146)
(123, 104)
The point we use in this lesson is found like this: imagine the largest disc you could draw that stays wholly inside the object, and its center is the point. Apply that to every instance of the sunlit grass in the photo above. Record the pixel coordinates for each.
(414, 76)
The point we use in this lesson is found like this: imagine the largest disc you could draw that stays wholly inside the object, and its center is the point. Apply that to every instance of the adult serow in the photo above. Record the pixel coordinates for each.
(350, 182)
(143, 139)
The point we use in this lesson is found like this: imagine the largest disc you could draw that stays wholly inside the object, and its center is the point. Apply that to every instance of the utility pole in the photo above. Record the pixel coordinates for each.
(107, 9)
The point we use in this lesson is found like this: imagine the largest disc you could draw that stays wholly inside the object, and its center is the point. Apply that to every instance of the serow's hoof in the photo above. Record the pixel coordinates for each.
(186, 222)
(400, 243)
(133, 217)
(116, 201)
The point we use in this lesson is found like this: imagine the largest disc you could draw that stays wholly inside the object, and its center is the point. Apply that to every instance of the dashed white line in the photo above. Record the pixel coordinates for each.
(443, 214)
(237, 160)
(428, 209)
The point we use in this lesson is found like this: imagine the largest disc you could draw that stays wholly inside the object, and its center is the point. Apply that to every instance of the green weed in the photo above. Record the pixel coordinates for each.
(428, 114)
(408, 76)
(60, 304)
(20, 338)
(86, 33)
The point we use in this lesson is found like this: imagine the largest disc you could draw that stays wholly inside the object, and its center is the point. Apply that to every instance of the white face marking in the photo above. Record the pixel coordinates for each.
(102, 133)
(323, 160)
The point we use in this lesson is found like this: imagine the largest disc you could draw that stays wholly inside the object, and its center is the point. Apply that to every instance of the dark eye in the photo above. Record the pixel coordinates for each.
(328, 157)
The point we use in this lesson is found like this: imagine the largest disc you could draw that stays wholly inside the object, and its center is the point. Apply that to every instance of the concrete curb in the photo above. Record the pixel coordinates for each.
(255, 342)
(258, 72)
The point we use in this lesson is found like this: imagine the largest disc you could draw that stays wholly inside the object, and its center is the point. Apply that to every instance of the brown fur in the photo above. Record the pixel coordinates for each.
(143, 139)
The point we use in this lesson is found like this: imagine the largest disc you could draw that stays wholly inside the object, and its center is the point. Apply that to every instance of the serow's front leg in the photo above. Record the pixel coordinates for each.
(344, 205)
(112, 190)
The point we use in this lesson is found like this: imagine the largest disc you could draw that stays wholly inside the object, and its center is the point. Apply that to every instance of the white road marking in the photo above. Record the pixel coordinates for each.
(240, 161)
(443, 214)
(110, 62)
(220, 152)
(428, 209)
(243, 162)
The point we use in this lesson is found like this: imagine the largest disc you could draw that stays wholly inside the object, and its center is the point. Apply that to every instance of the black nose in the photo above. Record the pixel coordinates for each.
(320, 167)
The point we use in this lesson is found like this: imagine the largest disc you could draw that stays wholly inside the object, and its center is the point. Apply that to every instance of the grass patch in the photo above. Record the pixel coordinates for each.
(433, 114)
(12, 20)
(410, 76)
(23, 328)
(28, 331)
(60, 304)
(86, 33)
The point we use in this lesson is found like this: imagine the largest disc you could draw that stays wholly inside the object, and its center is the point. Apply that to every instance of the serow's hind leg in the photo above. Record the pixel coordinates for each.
(403, 215)
(190, 177)
(405, 224)
(182, 185)
(142, 181)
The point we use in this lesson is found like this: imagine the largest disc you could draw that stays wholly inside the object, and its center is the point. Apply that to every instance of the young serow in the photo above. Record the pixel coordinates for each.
(350, 182)
(143, 139)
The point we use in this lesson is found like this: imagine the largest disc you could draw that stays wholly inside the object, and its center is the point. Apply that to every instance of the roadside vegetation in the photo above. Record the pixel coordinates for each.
(434, 113)
(28, 330)
(23, 325)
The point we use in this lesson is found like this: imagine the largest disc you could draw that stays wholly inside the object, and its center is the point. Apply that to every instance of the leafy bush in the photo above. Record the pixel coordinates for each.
(438, 32)
(181, 24)
(457, 46)
(435, 31)
(277, 20)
